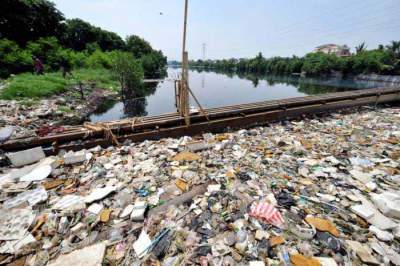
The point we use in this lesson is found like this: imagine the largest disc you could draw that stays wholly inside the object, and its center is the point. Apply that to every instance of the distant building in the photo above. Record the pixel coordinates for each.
(339, 50)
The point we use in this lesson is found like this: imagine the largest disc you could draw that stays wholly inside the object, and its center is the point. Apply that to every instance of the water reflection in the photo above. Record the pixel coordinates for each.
(135, 102)
(216, 88)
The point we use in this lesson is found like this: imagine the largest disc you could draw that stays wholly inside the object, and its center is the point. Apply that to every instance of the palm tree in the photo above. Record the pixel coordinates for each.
(361, 48)
(394, 47)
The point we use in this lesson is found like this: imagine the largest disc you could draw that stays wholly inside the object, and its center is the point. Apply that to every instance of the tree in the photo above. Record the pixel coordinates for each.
(153, 64)
(138, 46)
(129, 72)
(361, 48)
(78, 34)
(394, 47)
(29, 20)
(109, 41)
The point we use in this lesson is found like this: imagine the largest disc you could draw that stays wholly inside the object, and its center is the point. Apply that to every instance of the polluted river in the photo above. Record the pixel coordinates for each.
(215, 89)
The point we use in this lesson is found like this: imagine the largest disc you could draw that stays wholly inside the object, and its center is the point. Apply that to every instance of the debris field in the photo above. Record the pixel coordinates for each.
(318, 191)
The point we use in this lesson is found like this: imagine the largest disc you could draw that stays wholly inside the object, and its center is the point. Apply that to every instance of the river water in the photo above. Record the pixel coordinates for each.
(214, 89)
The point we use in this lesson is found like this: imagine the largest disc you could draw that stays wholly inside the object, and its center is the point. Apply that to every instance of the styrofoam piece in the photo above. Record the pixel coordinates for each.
(326, 261)
(25, 157)
(256, 263)
(70, 203)
(363, 211)
(74, 157)
(213, 188)
(95, 208)
(6, 132)
(138, 211)
(381, 234)
(32, 197)
(99, 193)
(37, 174)
(388, 203)
(17, 173)
(142, 244)
(53, 161)
(378, 219)
(15, 223)
(127, 211)
(88, 256)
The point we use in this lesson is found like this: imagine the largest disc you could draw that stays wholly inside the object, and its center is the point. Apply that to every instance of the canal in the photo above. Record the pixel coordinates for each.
(214, 89)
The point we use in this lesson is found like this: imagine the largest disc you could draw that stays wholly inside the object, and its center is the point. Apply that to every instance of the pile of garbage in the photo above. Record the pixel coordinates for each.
(27, 118)
(321, 191)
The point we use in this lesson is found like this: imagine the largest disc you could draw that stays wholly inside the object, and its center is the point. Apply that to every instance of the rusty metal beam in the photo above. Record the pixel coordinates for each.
(219, 119)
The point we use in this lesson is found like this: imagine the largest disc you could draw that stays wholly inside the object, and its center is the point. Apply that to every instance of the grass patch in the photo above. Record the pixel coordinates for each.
(97, 78)
(28, 85)
(31, 86)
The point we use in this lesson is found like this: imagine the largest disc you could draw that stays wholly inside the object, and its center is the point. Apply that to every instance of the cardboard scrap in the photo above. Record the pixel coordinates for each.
(300, 260)
(323, 225)
(186, 156)
(276, 240)
(181, 184)
(53, 184)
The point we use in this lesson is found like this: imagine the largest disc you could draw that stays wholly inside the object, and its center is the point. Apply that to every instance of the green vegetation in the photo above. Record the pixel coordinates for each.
(128, 71)
(31, 86)
(73, 44)
(384, 61)
(96, 78)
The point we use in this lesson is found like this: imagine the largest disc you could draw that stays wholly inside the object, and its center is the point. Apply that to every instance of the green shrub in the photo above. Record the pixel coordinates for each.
(153, 64)
(99, 78)
(99, 59)
(48, 50)
(13, 59)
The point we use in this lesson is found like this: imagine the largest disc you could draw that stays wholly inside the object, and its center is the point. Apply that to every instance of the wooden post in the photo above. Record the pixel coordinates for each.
(184, 109)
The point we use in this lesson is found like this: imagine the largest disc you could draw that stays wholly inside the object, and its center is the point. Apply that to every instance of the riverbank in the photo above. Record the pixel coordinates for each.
(30, 117)
(30, 86)
(309, 191)
(385, 80)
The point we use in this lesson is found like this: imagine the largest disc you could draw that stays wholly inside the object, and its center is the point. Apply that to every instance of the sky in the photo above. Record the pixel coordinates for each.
(242, 28)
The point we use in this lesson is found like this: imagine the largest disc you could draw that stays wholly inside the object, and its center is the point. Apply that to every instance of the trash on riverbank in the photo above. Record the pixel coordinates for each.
(296, 192)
